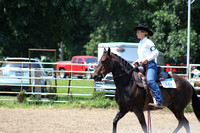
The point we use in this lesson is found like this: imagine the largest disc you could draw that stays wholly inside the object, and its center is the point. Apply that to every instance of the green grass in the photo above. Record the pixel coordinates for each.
(85, 83)
(96, 100)
(72, 90)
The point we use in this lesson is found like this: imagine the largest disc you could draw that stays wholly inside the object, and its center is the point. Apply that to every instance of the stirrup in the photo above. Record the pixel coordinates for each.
(156, 105)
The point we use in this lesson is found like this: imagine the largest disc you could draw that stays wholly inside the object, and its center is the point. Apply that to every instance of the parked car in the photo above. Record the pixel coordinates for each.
(107, 86)
(14, 75)
(81, 66)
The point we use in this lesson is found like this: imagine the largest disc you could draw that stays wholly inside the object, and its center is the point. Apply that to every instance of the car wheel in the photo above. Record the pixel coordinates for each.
(62, 73)
(88, 75)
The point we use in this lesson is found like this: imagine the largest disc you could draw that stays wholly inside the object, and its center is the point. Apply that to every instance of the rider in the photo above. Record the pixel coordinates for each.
(147, 52)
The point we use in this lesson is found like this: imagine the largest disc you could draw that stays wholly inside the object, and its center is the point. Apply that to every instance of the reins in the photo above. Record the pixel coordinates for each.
(149, 127)
(126, 72)
(149, 122)
(123, 74)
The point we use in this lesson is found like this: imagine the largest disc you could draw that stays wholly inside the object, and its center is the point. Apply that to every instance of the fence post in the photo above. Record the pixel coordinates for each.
(94, 85)
(38, 82)
(69, 84)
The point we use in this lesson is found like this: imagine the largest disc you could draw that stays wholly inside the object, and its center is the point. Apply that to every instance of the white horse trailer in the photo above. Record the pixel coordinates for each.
(128, 51)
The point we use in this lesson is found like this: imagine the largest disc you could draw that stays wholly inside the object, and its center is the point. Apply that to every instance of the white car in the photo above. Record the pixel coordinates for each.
(107, 86)
(14, 74)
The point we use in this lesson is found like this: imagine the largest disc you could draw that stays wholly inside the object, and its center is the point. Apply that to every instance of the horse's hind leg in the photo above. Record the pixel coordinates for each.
(119, 115)
(182, 121)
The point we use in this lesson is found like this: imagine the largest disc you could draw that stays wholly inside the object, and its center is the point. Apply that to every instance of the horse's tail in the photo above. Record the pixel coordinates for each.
(196, 104)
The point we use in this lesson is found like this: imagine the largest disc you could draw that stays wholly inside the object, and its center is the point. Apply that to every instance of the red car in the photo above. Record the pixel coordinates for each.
(80, 66)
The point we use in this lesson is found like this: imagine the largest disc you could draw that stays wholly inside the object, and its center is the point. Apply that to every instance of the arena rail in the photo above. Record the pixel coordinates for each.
(194, 74)
(53, 76)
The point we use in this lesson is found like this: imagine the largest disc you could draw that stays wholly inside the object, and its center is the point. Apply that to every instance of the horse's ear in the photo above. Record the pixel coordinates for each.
(109, 51)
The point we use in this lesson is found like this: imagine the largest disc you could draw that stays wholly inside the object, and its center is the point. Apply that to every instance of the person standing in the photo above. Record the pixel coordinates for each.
(147, 52)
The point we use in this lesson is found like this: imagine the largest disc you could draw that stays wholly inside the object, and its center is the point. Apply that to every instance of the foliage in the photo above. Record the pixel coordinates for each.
(98, 95)
(177, 50)
(82, 24)
(21, 97)
(188, 109)
(76, 102)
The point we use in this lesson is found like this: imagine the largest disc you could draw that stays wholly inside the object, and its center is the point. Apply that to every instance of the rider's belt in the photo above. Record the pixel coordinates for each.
(152, 61)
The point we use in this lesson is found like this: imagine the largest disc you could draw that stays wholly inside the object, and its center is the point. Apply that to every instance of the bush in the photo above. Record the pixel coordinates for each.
(21, 97)
(98, 95)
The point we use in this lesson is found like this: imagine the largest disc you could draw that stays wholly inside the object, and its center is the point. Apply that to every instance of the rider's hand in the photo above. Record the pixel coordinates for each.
(135, 62)
(144, 62)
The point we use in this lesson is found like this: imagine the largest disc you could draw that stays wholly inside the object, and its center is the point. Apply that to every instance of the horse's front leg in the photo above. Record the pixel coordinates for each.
(141, 118)
(119, 115)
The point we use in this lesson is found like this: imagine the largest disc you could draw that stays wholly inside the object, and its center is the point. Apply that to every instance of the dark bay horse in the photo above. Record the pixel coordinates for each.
(130, 97)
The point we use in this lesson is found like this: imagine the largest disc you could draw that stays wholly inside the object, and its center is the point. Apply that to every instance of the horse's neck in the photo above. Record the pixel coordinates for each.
(124, 86)
(123, 81)
(121, 78)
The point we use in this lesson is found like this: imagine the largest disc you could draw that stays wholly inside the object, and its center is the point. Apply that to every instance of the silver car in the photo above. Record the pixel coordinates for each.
(16, 74)
(107, 86)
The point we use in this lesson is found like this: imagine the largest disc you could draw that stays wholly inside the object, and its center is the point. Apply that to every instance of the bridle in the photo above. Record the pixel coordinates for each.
(126, 72)
(107, 63)
(123, 73)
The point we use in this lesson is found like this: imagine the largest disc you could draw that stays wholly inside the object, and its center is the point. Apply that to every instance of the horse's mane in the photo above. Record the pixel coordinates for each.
(125, 64)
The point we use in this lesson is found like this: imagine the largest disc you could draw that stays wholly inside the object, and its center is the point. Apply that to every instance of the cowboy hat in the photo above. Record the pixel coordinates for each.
(145, 28)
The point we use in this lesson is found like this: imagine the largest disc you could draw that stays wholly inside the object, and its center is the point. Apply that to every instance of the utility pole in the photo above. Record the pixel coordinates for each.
(188, 36)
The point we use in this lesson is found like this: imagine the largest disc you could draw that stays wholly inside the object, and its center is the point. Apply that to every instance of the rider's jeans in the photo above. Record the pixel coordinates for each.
(151, 78)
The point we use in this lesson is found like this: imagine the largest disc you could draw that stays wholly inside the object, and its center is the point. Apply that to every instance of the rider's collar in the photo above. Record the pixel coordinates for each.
(143, 40)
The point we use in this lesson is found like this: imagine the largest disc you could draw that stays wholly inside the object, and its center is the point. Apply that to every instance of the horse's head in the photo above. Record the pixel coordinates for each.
(104, 66)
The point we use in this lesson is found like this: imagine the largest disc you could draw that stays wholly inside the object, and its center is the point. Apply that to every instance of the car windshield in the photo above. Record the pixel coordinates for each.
(91, 60)
(20, 65)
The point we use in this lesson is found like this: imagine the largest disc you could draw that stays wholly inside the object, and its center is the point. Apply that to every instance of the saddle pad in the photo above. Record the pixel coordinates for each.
(168, 83)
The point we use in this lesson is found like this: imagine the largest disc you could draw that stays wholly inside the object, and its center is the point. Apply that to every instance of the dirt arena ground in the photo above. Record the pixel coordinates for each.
(85, 121)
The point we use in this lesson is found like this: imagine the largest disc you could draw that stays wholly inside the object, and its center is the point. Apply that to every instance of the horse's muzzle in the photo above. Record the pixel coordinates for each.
(98, 77)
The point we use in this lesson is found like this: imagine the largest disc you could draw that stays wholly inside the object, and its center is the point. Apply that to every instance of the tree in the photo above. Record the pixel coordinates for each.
(82, 24)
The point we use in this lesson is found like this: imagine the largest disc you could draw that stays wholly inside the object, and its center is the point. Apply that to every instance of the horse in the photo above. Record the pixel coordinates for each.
(131, 98)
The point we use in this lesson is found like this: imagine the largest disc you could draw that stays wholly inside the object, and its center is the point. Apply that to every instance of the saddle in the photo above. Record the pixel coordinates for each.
(139, 76)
